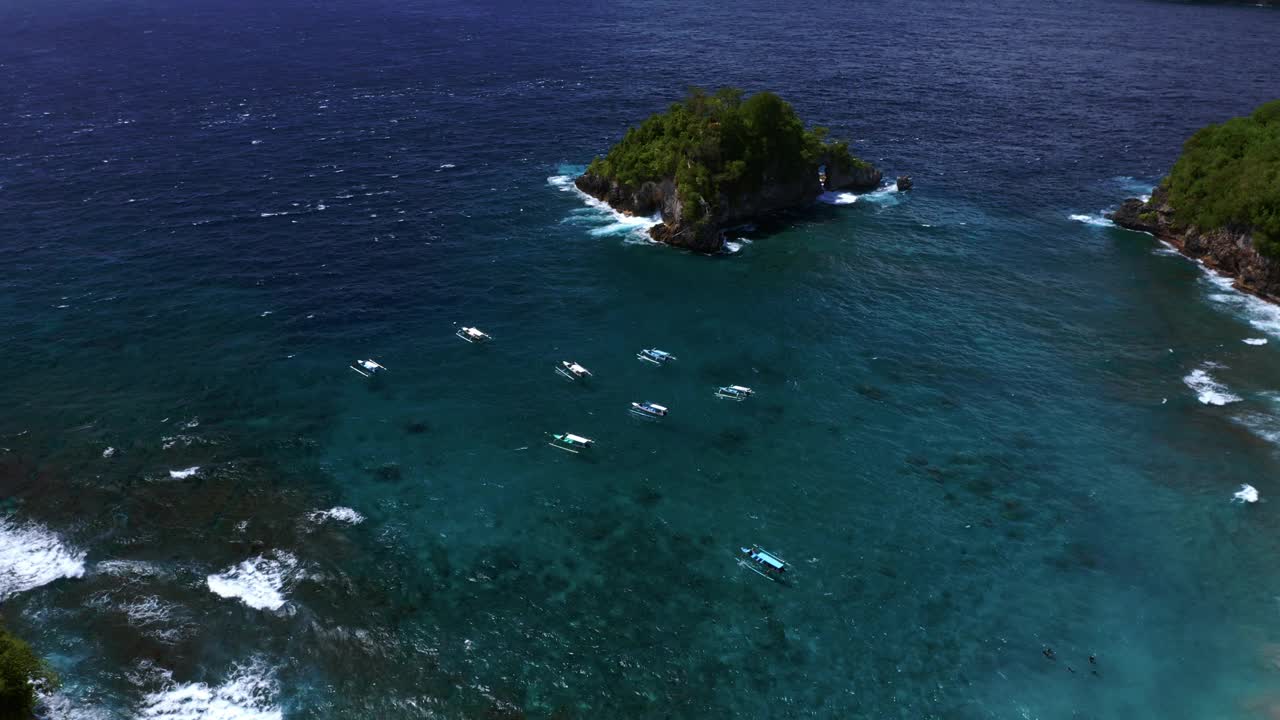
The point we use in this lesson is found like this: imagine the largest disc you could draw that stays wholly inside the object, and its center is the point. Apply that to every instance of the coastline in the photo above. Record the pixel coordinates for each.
(1228, 252)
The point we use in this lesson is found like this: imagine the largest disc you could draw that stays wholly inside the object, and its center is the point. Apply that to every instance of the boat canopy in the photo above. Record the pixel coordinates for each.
(769, 559)
(367, 367)
(570, 437)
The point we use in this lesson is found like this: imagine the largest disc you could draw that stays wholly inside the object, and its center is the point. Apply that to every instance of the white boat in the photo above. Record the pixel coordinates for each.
(367, 368)
(734, 392)
(473, 335)
(648, 409)
(572, 370)
(763, 563)
(571, 443)
(655, 356)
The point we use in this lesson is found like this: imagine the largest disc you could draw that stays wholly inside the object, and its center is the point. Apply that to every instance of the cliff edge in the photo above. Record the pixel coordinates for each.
(716, 161)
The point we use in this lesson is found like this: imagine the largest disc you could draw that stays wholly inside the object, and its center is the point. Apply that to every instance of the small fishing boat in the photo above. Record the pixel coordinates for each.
(571, 443)
(473, 335)
(572, 370)
(763, 562)
(648, 410)
(655, 356)
(367, 368)
(735, 392)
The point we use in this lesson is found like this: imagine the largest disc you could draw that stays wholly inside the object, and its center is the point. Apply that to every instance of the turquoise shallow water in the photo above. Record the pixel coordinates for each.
(978, 430)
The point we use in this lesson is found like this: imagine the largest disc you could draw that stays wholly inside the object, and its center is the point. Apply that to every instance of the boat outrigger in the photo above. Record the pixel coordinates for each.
(367, 368)
(647, 409)
(655, 356)
(763, 562)
(571, 443)
(572, 370)
(473, 335)
(735, 392)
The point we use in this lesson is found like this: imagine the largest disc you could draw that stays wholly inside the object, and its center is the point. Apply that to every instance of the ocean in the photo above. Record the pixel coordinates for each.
(997, 439)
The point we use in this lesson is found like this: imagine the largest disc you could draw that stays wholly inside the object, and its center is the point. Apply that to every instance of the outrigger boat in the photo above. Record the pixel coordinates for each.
(648, 410)
(367, 368)
(656, 356)
(764, 563)
(572, 370)
(473, 335)
(735, 392)
(571, 443)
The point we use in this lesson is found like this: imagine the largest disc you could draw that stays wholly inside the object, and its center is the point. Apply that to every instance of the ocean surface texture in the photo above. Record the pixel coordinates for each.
(987, 425)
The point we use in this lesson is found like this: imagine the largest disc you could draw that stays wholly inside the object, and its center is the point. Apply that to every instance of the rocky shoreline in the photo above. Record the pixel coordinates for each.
(1229, 251)
(653, 198)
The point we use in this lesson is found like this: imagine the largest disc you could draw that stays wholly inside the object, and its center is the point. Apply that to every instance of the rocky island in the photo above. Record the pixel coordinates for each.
(1221, 202)
(718, 160)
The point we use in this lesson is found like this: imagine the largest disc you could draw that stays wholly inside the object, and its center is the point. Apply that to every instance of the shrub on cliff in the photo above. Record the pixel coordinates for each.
(721, 144)
(19, 666)
(1229, 177)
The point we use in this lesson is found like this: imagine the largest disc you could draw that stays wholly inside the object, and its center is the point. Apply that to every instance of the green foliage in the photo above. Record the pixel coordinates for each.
(19, 666)
(1229, 177)
(721, 144)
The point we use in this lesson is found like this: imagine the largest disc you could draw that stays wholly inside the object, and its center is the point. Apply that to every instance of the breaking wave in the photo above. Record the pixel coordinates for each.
(258, 582)
(248, 694)
(607, 220)
(1208, 390)
(340, 514)
(884, 195)
(31, 556)
(838, 198)
(1261, 314)
(1098, 220)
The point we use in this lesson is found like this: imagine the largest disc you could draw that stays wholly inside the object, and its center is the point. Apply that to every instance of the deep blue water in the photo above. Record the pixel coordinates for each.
(982, 428)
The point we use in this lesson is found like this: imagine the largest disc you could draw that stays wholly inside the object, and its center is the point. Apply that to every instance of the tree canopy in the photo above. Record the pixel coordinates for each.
(721, 143)
(19, 666)
(1229, 177)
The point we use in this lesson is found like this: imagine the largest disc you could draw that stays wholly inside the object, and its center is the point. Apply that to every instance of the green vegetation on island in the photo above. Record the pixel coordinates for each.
(718, 158)
(19, 669)
(1228, 177)
(722, 144)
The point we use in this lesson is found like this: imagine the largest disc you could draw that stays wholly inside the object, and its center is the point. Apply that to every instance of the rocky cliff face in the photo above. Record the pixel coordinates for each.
(679, 229)
(1229, 251)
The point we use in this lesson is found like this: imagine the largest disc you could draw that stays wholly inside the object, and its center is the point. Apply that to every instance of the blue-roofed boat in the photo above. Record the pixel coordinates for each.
(648, 409)
(734, 392)
(571, 443)
(655, 356)
(763, 563)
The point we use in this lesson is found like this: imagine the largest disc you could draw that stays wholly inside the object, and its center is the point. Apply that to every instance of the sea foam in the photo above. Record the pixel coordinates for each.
(248, 694)
(1261, 314)
(838, 198)
(1208, 390)
(184, 473)
(1098, 220)
(340, 514)
(257, 582)
(884, 195)
(31, 556)
(598, 212)
(1246, 494)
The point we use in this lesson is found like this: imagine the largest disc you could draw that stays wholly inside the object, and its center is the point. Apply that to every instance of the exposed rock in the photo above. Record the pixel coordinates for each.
(859, 178)
(678, 226)
(1230, 251)
(904, 183)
